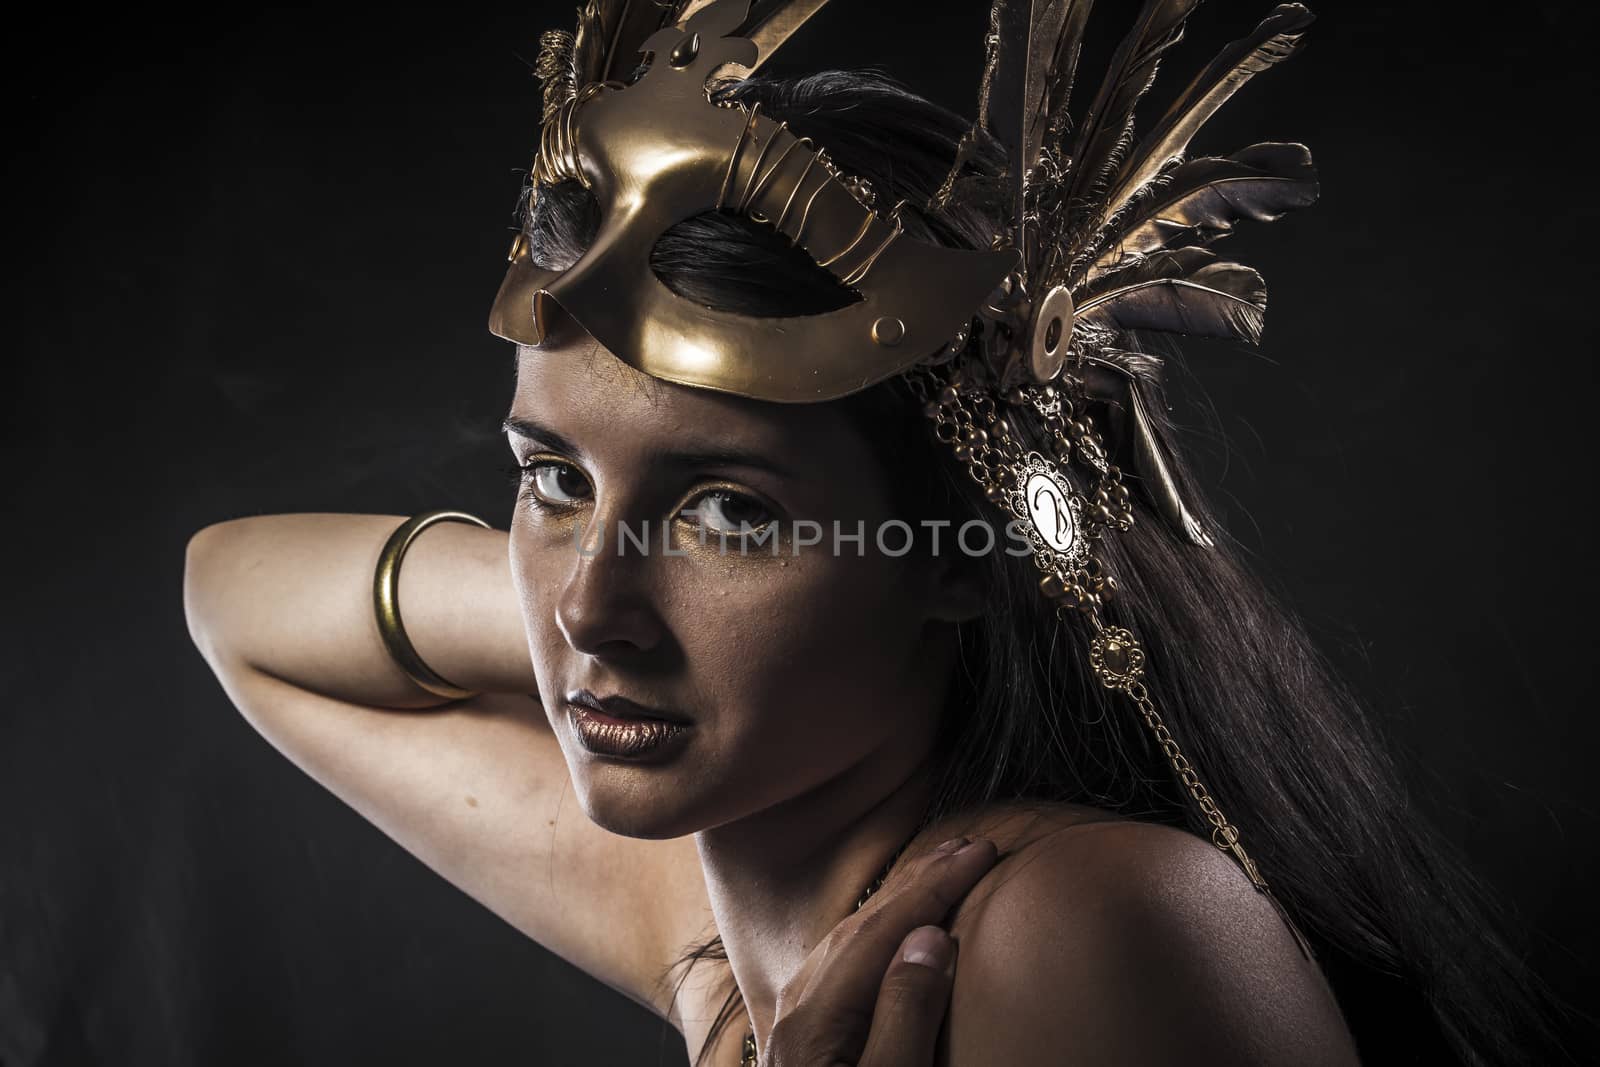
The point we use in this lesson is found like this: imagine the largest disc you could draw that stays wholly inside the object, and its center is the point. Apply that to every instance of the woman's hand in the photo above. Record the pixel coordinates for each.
(874, 992)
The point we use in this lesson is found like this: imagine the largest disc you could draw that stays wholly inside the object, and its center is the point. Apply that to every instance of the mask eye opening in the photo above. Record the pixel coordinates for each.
(726, 262)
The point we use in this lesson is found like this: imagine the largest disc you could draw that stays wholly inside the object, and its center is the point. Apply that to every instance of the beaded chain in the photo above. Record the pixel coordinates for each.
(985, 433)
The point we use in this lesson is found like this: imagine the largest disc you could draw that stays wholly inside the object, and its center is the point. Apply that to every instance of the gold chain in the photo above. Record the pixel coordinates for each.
(969, 420)
(982, 438)
(966, 417)
(1117, 661)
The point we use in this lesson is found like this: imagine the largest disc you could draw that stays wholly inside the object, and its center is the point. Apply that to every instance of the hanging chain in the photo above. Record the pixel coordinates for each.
(967, 417)
(1117, 660)
(970, 422)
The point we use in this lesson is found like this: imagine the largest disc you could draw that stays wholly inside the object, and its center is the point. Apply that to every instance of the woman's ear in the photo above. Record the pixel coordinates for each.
(957, 593)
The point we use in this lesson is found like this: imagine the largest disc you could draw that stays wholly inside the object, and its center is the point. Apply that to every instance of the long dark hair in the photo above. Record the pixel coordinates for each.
(1404, 934)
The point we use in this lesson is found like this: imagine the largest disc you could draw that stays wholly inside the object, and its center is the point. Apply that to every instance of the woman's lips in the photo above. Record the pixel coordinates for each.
(620, 707)
(613, 729)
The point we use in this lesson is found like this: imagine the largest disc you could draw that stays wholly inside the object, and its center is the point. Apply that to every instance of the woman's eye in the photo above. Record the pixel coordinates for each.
(556, 483)
(728, 513)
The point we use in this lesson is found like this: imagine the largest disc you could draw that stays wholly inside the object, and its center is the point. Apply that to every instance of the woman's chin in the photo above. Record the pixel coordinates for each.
(627, 810)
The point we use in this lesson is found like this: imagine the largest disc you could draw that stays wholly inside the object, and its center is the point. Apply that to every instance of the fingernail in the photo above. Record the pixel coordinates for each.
(953, 844)
(927, 946)
(968, 847)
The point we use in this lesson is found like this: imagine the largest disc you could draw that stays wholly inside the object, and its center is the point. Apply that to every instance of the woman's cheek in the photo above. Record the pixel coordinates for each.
(797, 637)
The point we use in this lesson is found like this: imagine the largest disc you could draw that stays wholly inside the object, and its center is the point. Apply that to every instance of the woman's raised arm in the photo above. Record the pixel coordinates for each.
(291, 596)
(281, 607)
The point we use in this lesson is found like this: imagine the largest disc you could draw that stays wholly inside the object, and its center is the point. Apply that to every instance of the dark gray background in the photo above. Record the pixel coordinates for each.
(252, 255)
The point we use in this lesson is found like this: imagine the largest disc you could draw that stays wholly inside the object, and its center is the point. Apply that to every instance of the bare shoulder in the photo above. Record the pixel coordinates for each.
(1116, 941)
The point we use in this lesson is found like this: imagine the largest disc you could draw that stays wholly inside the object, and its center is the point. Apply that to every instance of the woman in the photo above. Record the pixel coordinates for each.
(753, 734)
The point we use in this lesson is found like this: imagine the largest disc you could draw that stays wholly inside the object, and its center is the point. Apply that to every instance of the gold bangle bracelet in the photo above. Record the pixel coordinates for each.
(386, 601)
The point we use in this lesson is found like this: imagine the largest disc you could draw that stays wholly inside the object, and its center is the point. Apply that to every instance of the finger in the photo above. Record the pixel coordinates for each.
(912, 1001)
(857, 951)
(899, 1025)
(845, 974)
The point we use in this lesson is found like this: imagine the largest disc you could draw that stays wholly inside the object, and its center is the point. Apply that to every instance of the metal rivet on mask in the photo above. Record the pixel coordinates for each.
(888, 331)
(687, 49)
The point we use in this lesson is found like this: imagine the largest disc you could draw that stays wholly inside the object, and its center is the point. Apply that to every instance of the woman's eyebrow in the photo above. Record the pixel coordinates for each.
(711, 456)
(533, 431)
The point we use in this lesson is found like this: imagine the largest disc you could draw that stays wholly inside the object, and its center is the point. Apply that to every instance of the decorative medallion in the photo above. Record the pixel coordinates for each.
(1053, 514)
(1116, 658)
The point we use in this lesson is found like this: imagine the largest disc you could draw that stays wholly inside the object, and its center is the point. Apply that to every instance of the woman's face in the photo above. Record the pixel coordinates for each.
(787, 666)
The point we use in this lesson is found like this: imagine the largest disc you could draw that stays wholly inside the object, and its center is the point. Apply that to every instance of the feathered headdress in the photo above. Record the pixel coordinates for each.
(1109, 230)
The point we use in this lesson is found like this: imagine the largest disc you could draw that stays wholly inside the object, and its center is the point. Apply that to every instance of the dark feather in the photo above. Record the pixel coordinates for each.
(969, 140)
(1274, 40)
(1166, 264)
(1064, 69)
(1127, 383)
(1107, 127)
(1015, 109)
(1205, 197)
(1183, 291)
(1155, 477)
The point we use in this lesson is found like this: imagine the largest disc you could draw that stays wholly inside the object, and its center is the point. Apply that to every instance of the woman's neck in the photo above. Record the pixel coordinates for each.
(780, 880)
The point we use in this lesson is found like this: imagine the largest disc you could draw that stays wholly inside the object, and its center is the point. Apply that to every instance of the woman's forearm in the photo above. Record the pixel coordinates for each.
(291, 596)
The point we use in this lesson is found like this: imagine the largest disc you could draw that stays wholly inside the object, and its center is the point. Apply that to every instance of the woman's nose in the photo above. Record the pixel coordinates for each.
(607, 604)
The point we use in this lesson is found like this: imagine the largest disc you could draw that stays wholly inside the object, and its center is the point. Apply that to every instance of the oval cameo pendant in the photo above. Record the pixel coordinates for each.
(1050, 511)
(1053, 514)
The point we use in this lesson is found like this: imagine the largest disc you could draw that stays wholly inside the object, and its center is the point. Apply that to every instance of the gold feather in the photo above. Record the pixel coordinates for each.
(1274, 40)
(1119, 380)
(969, 140)
(1155, 478)
(1104, 133)
(1205, 197)
(1064, 69)
(772, 28)
(1182, 291)
(1036, 50)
